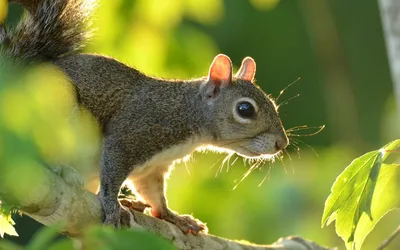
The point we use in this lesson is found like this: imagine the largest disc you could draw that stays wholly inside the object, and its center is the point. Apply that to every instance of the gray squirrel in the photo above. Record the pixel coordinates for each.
(147, 123)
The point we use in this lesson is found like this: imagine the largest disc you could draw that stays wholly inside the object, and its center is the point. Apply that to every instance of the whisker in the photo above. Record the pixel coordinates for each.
(244, 162)
(294, 143)
(290, 158)
(303, 127)
(284, 166)
(227, 161)
(299, 126)
(299, 141)
(295, 147)
(237, 157)
(320, 128)
(287, 101)
(227, 169)
(283, 90)
(267, 175)
(221, 167)
(291, 162)
(288, 155)
(254, 166)
(187, 168)
(217, 162)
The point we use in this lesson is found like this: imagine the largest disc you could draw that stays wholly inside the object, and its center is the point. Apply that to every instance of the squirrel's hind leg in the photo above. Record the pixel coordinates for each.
(151, 188)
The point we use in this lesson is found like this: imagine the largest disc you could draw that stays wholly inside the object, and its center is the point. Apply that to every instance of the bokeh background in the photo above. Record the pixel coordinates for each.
(337, 49)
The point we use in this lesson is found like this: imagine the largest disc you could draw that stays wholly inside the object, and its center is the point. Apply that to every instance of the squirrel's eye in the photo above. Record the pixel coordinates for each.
(245, 110)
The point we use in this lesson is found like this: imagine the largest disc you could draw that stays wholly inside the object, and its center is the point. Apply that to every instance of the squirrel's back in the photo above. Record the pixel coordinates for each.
(53, 29)
(104, 84)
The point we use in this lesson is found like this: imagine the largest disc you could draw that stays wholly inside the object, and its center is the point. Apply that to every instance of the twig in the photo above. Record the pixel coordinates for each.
(386, 242)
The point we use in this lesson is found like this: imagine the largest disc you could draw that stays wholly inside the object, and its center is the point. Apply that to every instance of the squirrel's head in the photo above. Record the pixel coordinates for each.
(243, 118)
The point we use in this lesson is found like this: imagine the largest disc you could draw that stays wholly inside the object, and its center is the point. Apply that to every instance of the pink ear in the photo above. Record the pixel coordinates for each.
(247, 70)
(221, 71)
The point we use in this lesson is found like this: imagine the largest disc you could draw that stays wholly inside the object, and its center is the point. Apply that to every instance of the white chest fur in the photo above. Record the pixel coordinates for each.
(163, 160)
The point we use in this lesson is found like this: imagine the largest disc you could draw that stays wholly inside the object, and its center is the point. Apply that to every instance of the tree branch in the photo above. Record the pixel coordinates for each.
(390, 15)
(60, 198)
(390, 239)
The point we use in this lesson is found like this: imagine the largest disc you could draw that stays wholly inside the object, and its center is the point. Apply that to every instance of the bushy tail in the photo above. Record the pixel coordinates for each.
(52, 29)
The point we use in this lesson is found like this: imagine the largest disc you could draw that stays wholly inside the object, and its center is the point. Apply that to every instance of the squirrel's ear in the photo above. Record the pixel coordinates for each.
(220, 75)
(247, 70)
(221, 71)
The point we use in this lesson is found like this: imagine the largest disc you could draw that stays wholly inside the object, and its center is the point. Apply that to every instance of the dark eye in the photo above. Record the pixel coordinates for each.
(245, 109)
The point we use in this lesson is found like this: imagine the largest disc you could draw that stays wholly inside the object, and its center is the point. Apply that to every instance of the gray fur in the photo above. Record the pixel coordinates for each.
(48, 33)
(145, 121)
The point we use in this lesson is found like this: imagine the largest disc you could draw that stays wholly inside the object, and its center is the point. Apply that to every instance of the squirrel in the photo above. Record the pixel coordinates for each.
(147, 123)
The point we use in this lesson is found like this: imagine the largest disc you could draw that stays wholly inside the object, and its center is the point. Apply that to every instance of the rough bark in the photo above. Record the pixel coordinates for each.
(390, 15)
(61, 198)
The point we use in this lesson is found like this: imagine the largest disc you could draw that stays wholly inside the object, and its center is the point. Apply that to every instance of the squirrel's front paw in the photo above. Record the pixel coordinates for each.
(186, 223)
(135, 205)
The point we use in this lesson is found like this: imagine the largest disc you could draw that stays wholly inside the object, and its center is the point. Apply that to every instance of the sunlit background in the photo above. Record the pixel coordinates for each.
(336, 47)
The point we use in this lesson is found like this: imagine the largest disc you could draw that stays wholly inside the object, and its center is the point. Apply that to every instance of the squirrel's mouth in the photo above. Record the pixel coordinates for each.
(244, 148)
(245, 152)
(248, 153)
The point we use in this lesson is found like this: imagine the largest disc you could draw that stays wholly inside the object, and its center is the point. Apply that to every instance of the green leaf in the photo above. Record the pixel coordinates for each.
(105, 238)
(7, 226)
(361, 195)
(44, 237)
(8, 245)
(64, 244)
(384, 200)
(6, 221)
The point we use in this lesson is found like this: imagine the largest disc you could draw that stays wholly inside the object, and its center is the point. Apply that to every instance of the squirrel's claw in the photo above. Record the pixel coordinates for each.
(186, 223)
(135, 205)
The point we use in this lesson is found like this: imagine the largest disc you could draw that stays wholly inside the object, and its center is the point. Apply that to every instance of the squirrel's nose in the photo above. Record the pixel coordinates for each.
(281, 142)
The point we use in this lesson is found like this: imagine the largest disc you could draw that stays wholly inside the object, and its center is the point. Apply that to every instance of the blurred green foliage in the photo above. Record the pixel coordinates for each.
(95, 238)
(40, 125)
(338, 51)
